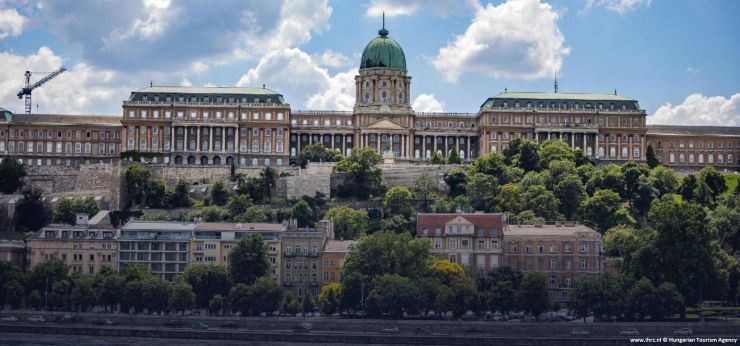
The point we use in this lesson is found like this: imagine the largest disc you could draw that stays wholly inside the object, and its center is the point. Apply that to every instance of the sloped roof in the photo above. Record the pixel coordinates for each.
(66, 119)
(339, 245)
(207, 90)
(680, 130)
(480, 220)
(229, 227)
(547, 230)
(562, 96)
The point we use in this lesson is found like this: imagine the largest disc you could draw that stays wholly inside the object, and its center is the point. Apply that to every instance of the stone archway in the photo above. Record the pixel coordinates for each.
(191, 160)
(204, 160)
(217, 160)
(178, 160)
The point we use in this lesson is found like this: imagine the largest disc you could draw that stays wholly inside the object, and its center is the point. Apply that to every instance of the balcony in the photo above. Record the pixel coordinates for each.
(586, 126)
(176, 103)
(563, 110)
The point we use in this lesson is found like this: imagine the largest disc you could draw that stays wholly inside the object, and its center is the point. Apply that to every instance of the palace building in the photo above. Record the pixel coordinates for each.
(256, 126)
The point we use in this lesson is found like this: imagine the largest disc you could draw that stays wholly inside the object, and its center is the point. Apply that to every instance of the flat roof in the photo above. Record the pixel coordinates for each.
(206, 90)
(66, 119)
(682, 130)
(158, 226)
(547, 230)
(561, 96)
(229, 227)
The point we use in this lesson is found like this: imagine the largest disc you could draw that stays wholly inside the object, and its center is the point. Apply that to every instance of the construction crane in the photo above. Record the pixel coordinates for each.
(26, 91)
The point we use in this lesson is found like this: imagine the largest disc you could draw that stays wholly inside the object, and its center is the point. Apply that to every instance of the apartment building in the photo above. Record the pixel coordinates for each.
(302, 250)
(332, 259)
(87, 246)
(564, 251)
(161, 247)
(469, 239)
(212, 242)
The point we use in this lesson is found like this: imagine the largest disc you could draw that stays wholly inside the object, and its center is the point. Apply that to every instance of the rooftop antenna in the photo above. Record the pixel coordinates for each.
(556, 82)
(615, 92)
(506, 90)
(263, 85)
(151, 84)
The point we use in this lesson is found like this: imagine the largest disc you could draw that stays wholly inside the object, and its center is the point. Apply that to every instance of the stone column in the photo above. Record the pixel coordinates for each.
(377, 142)
(333, 146)
(585, 143)
(403, 146)
(223, 139)
(237, 133)
(629, 147)
(186, 146)
(423, 147)
(619, 145)
(298, 145)
(210, 138)
(597, 146)
(197, 138)
(572, 140)
(642, 147)
(172, 138)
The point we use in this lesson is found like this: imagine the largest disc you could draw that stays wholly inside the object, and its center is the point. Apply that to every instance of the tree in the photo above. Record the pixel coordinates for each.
(453, 157)
(543, 203)
(713, 179)
(182, 297)
(644, 195)
(11, 277)
(443, 205)
(303, 214)
(213, 214)
(387, 253)
(510, 199)
(397, 201)
(640, 299)
(239, 299)
(348, 223)
(532, 293)
(363, 178)
(669, 301)
(482, 190)
(522, 153)
(456, 179)
(137, 179)
(437, 158)
(31, 213)
(11, 175)
(252, 214)
(264, 296)
(570, 192)
(502, 297)
(619, 241)
(155, 195)
(82, 294)
(397, 223)
(652, 159)
(219, 193)
(491, 164)
(599, 211)
(597, 296)
(155, 293)
(308, 305)
(664, 180)
(687, 187)
(555, 150)
(458, 297)
(206, 281)
(290, 304)
(109, 289)
(317, 152)
(181, 196)
(329, 298)
(216, 305)
(238, 204)
(423, 192)
(268, 181)
(392, 294)
(70, 206)
(248, 259)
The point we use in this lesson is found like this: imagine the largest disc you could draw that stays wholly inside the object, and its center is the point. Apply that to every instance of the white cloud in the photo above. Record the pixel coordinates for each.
(331, 58)
(298, 19)
(519, 39)
(185, 82)
(301, 80)
(694, 70)
(393, 8)
(82, 89)
(698, 109)
(338, 95)
(619, 6)
(428, 103)
(11, 23)
(158, 15)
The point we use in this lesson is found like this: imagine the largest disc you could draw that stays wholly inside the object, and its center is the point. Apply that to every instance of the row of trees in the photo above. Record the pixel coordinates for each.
(32, 212)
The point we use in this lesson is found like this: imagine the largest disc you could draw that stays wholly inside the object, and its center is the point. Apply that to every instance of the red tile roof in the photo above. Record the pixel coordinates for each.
(480, 220)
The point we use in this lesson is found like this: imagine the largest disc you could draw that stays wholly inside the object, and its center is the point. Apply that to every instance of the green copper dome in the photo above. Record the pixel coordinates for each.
(383, 51)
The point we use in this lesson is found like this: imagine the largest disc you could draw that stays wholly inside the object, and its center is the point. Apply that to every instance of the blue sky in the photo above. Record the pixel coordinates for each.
(678, 58)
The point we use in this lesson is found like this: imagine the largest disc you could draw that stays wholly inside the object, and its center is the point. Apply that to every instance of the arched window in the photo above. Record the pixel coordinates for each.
(204, 160)
(191, 160)
(217, 160)
(178, 160)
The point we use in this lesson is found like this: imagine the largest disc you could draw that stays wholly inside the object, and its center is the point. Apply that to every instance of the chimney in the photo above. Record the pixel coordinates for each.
(81, 219)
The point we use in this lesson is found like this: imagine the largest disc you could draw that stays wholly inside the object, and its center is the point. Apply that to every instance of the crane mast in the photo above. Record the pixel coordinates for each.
(28, 88)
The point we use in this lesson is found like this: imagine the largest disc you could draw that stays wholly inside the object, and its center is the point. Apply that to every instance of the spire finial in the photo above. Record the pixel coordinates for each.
(556, 82)
(383, 32)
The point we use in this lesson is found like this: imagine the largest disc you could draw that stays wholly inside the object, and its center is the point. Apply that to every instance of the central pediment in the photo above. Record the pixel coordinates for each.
(385, 124)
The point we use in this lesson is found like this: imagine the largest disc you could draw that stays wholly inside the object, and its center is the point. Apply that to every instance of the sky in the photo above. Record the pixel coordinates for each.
(678, 58)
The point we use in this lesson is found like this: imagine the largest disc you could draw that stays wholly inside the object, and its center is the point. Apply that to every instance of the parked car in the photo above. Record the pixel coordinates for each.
(303, 327)
(66, 318)
(393, 329)
(229, 325)
(422, 330)
(174, 323)
(104, 322)
(199, 325)
(9, 319)
(579, 332)
(630, 331)
(684, 331)
(36, 319)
